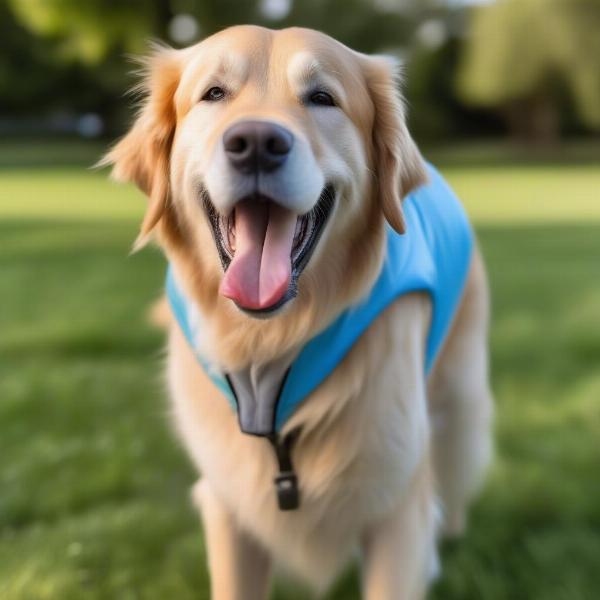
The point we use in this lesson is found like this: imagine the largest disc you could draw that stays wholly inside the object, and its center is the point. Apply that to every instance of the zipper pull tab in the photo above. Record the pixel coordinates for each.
(286, 481)
(288, 495)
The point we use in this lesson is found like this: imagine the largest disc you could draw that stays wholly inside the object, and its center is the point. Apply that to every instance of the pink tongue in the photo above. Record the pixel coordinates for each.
(260, 271)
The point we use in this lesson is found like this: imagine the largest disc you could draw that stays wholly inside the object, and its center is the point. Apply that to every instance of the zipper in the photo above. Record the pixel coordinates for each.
(286, 480)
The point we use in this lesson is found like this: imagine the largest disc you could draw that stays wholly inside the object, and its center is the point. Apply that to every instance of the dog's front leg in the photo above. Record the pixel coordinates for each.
(239, 567)
(399, 551)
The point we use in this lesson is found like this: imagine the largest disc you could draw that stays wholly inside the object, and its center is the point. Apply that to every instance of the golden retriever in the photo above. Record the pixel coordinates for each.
(239, 141)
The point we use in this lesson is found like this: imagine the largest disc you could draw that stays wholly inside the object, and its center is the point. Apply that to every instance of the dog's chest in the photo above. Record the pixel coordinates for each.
(365, 431)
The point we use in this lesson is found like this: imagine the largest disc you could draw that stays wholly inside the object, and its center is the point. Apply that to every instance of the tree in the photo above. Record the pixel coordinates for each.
(523, 55)
(87, 31)
(75, 51)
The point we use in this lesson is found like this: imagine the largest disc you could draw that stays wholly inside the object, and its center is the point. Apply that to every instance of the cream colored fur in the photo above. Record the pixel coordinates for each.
(385, 458)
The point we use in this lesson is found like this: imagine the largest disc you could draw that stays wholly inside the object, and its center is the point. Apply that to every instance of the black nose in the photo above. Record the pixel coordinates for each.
(253, 146)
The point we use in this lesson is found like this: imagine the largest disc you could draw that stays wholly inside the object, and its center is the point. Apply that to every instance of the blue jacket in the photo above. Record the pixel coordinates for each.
(432, 256)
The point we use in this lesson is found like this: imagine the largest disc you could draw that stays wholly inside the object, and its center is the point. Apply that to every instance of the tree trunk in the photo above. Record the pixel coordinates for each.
(535, 120)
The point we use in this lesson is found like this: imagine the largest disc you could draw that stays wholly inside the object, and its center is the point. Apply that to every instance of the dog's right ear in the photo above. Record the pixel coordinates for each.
(143, 154)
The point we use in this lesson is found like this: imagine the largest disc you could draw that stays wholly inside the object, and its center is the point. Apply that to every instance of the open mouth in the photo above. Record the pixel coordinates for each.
(264, 248)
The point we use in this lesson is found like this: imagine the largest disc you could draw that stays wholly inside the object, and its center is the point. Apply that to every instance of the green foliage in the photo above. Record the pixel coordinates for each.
(93, 486)
(435, 110)
(523, 49)
(534, 61)
(28, 72)
(74, 51)
(88, 30)
(36, 80)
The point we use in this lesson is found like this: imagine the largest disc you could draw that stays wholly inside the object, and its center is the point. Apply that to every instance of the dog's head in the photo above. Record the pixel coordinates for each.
(271, 159)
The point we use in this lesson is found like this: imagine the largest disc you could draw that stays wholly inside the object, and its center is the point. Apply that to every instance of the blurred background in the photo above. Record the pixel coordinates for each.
(504, 96)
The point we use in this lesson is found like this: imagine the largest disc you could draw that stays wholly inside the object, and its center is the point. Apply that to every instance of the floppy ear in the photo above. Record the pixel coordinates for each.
(398, 164)
(143, 155)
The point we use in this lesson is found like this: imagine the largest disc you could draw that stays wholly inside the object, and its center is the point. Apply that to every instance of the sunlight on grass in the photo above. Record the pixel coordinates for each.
(529, 195)
(67, 194)
(509, 193)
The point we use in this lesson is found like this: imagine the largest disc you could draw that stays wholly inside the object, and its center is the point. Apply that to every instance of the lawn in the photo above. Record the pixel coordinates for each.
(93, 485)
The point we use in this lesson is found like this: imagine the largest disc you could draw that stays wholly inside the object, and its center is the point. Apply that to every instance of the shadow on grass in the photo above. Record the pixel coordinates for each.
(24, 153)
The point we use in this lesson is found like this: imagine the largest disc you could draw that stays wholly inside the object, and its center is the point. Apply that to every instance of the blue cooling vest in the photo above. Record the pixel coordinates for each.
(432, 256)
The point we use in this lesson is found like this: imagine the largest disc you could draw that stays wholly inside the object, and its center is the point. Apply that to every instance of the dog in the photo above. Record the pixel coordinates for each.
(330, 404)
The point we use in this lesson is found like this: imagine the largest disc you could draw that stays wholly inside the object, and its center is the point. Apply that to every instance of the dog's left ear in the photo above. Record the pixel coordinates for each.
(398, 164)
(142, 156)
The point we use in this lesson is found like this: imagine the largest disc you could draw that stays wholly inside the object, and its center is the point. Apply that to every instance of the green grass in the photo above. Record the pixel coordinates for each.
(93, 485)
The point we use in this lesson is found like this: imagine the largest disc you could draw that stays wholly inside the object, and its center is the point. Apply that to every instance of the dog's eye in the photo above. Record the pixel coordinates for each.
(321, 99)
(214, 94)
